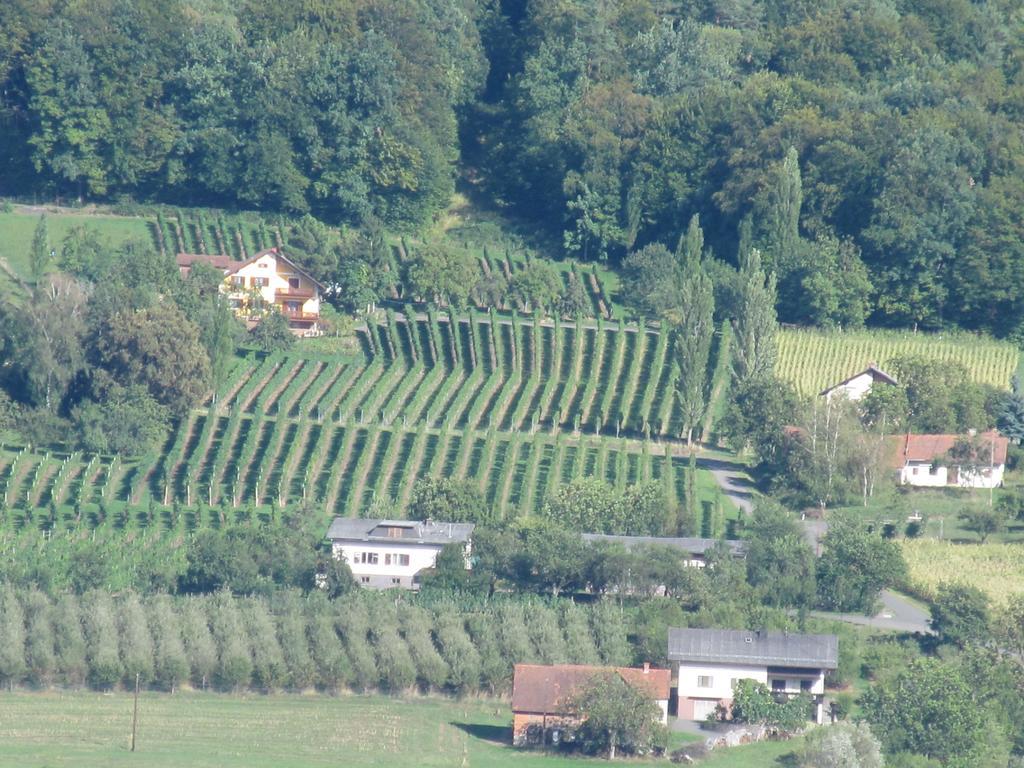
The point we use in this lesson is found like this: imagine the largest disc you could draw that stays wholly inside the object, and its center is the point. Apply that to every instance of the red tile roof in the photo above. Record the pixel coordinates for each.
(217, 261)
(549, 689)
(927, 448)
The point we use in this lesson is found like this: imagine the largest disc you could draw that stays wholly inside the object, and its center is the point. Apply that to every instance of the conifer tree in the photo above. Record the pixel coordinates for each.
(755, 325)
(694, 330)
(39, 251)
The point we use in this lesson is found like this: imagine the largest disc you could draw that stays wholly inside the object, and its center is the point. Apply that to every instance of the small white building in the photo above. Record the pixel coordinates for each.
(711, 661)
(383, 554)
(859, 385)
(924, 460)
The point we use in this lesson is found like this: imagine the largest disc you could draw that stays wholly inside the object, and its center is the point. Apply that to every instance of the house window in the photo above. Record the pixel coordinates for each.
(293, 283)
(364, 579)
(403, 559)
(395, 580)
(259, 282)
(237, 281)
(913, 471)
(704, 681)
(367, 558)
(778, 685)
(805, 685)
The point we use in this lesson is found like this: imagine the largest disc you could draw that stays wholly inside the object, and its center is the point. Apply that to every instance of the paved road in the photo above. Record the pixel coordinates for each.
(732, 480)
(898, 614)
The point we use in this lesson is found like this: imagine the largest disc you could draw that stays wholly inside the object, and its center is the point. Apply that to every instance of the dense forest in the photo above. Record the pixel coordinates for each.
(870, 150)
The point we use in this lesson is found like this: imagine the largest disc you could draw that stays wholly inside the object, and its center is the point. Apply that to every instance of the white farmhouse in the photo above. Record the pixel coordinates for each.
(268, 280)
(711, 661)
(391, 553)
(859, 385)
(924, 460)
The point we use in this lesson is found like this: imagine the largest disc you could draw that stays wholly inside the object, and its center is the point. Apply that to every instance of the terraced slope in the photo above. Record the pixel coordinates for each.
(514, 405)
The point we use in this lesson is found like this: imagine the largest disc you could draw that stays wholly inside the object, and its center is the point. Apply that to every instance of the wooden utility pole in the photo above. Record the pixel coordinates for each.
(135, 710)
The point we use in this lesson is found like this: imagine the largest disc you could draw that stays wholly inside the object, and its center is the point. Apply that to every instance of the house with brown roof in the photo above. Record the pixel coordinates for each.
(268, 281)
(542, 696)
(937, 461)
(859, 384)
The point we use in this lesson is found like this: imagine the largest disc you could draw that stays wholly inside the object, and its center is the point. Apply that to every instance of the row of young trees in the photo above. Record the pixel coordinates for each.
(367, 641)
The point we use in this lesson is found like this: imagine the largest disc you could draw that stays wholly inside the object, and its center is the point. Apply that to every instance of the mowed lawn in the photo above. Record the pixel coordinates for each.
(17, 229)
(85, 729)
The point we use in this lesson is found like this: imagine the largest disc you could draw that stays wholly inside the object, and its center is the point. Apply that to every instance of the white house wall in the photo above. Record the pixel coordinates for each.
(722, 676)
(922, 476)
(421, 556)
(856, 388)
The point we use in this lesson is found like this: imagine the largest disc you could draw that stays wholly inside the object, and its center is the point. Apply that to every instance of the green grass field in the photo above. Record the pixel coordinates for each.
(283, 731)
(18, 227)
(813, 360)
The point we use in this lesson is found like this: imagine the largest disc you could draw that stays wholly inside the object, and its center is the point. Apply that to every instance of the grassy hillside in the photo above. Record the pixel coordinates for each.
(197, 730)
(813, 360)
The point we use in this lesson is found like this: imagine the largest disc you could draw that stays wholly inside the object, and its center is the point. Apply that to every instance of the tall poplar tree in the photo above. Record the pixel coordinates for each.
(694, 329)
(755, 323)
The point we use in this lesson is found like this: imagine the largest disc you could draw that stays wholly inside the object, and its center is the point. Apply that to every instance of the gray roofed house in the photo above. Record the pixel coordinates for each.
(695, 548)
(776, 649)
(711, 662)
(391, 553)
(427, 532)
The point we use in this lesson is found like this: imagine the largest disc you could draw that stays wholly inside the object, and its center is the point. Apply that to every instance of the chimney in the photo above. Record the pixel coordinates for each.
(647, 667)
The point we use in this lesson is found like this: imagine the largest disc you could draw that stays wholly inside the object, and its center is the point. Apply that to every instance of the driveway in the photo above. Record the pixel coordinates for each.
(898, 614)
(732, 479)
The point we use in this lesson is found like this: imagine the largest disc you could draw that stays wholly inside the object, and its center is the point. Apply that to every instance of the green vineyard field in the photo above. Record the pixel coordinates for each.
(515, 406)
(813, 360)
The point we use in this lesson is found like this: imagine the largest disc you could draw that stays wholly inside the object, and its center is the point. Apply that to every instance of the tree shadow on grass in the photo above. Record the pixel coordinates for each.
(496, 734)
(788, 760)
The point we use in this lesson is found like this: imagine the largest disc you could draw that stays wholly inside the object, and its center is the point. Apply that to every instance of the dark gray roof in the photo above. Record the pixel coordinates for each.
(776, 649)
(691, 546)
(407, 531)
